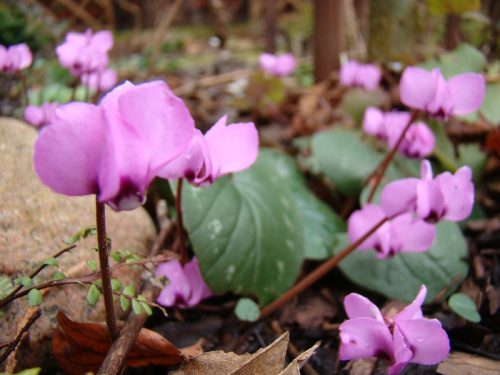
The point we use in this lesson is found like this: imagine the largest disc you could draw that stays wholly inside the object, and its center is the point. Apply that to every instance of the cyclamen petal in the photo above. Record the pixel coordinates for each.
(15, 57)
(100, 81)
(363, 75)
(277, 65)
(429, 91)
(40, 116)
(357, 306)
(186, 286)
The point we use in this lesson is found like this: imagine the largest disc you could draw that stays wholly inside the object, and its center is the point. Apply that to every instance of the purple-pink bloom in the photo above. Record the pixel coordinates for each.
(186, 286)
(39, 116)
(403, 233)
(101, 81)
(85, 52)
(406, 338)
(418, 141)
(277, 65)
(430, 92)
(115, 149)
(15, 57)
(363, 75)
(222, 150)
(447, 196)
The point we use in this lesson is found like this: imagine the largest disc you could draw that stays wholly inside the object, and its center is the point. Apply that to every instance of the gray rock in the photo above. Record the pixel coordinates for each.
(34, 221)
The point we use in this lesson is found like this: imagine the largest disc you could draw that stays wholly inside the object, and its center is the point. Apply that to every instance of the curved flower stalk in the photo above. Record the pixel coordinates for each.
(353, 73)
(84, 53)
(15, 57)
(404, 233)
(408, 337)
(222, 150)
(418, 141)
(40, 116)
(430, 92)
(447, 196)
(116, 148)
(186, 286)
(279, 66)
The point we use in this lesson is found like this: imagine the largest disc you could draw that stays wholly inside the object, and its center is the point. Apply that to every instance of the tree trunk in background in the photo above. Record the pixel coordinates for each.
(452, 35)
(329, 37)
(393, 30)
(270, 12)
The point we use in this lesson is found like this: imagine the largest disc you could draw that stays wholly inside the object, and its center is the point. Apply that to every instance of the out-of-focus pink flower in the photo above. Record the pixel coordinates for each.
(114, 149)
(363, 75)
(404, 233)
(418, 141)
(277, 65)
(100, 81)
(42, 115)
(447, 196)
(15, 57)
(406, 338)
(223, 149)
(85, 52)
(186, 288)
(430, 92)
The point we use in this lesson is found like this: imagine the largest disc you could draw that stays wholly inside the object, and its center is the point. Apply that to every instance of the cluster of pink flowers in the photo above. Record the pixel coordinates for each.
(14, 58)
(354, 73)
(279, 66)
(418, 141)
(411, 206)
(407, 337)
(86, 56)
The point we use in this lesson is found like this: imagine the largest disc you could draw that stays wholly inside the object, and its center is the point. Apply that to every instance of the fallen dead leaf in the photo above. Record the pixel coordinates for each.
(463, 363)
(267, 361)
(81, 347)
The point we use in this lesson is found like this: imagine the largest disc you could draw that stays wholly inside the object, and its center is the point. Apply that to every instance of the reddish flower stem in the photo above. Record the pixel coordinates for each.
(107, 291)
(180, 225)
(380, 170)
(317, 273)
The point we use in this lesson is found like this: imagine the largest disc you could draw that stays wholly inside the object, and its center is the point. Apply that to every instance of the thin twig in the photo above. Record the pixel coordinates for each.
(15, 342)
(379, 171)
(180, 225)
(318, 273)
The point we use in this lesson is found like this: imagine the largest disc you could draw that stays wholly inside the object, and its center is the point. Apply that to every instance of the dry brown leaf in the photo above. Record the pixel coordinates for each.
(463, 363)
(294, 367)
(81, 347)
(267, 360)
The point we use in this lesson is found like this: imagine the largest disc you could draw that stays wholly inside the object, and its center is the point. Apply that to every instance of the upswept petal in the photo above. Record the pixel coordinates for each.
(458, 193)
(103, 40)
(21, 54)
(467, 92)
(285, 65)
(399, 196)
(410, 234)
(232, 148)
(430, 201)
(371, 76)
(427, 340)
(267, 61)
(364, 338)
(348, 73)
(68, 153)
(358, 306)
(413, 310)
(402, 352)
(442, 103)
(178, 288)
(417, 87)
(419, 141)
(199, 289)
(362, 220)
(373, 123)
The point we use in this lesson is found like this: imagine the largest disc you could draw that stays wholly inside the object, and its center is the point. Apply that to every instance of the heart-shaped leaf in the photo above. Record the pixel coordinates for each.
(465, 307)
(401, 276)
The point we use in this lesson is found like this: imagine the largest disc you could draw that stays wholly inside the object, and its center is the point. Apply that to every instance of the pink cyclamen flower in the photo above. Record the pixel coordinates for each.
(39, 116)
(186, 287)
(404, 233)
(101, 81)
(447, 196)
(277, 65)
(15, 57)
(115, 149)
(85, 52)
(406, 338)
(430, 92)
(222, 150)
(363, 75)
(418, 141)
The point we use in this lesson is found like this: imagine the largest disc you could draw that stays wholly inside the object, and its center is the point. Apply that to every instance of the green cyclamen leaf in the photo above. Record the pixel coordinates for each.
(124, 302)
(247, 310)
(93, 295)
(58, 275)
(34, 297)
(24, 281)
(136, 306)
(465, 307)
